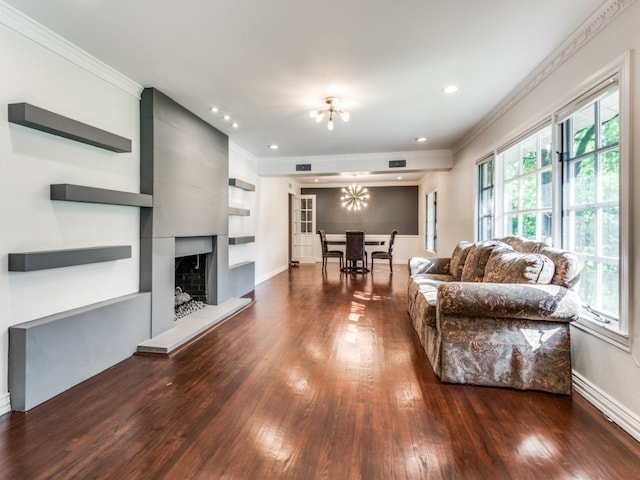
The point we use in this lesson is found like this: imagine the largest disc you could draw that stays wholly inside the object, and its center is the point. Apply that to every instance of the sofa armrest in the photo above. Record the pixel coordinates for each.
(512, 300)
(439, 265)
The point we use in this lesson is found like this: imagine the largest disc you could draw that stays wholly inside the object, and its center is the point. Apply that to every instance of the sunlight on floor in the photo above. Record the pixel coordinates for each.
(534, 446)
(271, 441)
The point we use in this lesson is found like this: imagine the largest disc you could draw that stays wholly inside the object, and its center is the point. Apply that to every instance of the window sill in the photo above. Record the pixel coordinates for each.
(603, 332)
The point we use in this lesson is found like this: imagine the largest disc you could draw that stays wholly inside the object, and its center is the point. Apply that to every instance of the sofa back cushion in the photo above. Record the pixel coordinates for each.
(458, 258)
(477, 258)
(521, 244)
(508, 266)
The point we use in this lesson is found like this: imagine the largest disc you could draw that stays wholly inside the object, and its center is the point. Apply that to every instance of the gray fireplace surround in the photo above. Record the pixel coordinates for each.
(184, 170)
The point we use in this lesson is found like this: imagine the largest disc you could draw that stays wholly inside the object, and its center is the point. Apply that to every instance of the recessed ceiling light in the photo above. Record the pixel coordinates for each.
(214, 109)
(421, 139)
(273, 146)
(399, 178)
(234, 125)
(226, 118)
(450, 89)
(316, 180)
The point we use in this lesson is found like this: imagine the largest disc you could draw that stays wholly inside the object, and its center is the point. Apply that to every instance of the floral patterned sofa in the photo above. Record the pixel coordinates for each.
(497, 313)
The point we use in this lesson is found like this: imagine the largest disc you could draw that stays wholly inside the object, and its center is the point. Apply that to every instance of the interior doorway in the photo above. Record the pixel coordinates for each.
(302, 228)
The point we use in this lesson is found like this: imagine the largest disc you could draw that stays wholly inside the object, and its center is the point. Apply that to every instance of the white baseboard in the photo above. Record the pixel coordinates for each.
(273, 273)
(611, 408)
(5, 403)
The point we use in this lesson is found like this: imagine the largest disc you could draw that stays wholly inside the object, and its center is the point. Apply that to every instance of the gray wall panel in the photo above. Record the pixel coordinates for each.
(49, 355)
(189, 163)
(242, 278)
(163, 285)
(185, 166)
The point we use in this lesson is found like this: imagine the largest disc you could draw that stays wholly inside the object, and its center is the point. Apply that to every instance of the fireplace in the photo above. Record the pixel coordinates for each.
(190, 284)
(191, 276)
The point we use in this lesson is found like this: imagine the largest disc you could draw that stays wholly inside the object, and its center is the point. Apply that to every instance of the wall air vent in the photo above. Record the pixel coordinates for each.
(397, 163)
(303, 167)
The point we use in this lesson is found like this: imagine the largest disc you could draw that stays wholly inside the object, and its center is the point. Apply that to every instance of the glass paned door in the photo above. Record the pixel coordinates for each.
(304, 228)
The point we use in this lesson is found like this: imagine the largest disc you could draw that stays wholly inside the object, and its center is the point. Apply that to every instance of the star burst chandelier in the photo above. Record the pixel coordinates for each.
(354, 197)
(332, 103)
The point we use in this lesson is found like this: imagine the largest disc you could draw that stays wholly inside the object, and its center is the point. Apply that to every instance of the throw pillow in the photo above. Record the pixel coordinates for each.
(507, 266)
(567, 268)
(477, 258)
(458, 257)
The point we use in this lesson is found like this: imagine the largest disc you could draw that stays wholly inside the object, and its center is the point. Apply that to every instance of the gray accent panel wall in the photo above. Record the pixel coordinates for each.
(389, 208)
(184, 165)
(49, 355)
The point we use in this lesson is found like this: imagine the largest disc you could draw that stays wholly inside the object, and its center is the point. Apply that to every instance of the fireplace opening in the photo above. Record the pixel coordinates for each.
(190, 284)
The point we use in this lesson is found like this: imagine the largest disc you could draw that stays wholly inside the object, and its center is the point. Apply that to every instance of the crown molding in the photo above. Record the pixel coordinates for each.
(593, 25)
(38, 33)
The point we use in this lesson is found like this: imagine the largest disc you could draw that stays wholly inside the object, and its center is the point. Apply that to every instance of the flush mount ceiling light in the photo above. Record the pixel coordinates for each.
(332, 103)
(354, 197)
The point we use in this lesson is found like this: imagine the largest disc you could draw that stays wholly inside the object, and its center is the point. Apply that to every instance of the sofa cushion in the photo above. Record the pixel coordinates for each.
(507, 266)
(458, 257)
(521, 244)
(477, 258)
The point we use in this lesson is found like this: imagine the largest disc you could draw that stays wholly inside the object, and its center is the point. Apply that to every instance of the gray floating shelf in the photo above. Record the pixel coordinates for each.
(243, 212)
(241, 265)
(40, 119)
(241, 240)
(32, 261)
(235, 182)
(80, 193)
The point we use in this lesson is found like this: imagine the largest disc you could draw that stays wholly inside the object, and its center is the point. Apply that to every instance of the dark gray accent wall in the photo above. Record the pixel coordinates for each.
(49, 355)
(389, 208)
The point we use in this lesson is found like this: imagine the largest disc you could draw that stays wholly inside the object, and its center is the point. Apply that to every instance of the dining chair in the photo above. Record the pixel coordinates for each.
(355, 251)
(386, 255)
(326, 253)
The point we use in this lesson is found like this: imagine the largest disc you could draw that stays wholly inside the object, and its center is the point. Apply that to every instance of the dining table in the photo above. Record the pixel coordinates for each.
(366, 242)
(369, 242)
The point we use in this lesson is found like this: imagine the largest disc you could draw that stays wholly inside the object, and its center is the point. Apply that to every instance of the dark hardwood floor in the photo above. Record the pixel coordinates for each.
(321, 379)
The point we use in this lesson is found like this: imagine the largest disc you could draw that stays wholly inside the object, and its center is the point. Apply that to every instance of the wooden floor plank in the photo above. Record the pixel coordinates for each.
(322, 378)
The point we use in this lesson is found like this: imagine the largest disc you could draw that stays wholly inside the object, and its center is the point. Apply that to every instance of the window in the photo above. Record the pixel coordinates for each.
(591, 199)
(576, 199)
(431, 222)
(485, 199)
(526, 189)
(306, 215)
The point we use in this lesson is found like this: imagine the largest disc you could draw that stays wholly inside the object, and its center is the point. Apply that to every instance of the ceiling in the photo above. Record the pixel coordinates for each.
(268, 63)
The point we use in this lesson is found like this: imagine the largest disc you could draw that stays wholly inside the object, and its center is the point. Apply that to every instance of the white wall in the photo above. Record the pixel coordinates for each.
(454, 217)
(268, 221)
(30, 161)
(608, 376)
